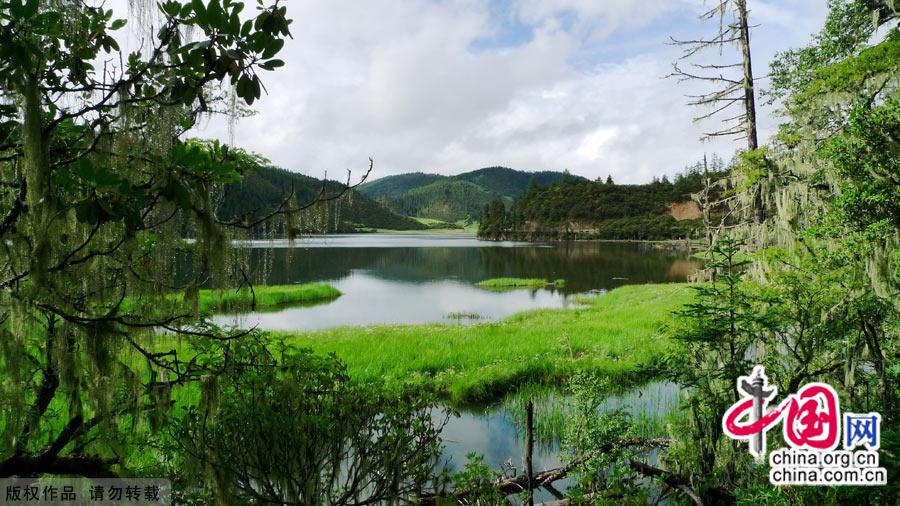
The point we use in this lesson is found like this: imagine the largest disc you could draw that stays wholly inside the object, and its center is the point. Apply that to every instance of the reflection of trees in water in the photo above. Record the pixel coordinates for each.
(680, 269)
(585, 265)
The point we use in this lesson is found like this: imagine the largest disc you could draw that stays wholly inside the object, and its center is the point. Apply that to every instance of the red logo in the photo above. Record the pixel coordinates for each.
(811, 416)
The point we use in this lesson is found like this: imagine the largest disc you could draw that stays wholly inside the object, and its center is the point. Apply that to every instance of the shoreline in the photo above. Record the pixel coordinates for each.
(681, 243)
(620, 334)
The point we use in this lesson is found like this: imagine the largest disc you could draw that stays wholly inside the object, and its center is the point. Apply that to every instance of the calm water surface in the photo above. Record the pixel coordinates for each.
(416, 278)
(494, 433)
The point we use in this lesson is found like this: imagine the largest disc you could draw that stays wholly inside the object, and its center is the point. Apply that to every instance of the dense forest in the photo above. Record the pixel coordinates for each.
(261, 191)
(577, 208)
(454, 198)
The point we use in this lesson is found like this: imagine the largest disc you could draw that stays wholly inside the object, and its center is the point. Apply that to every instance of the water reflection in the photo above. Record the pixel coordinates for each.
(494, 435)
(586, 265)
(369, 300)
(409, 278)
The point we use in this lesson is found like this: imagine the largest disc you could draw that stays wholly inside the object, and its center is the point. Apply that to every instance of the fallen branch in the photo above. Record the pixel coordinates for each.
(668, 478)
(517, 484)
(23, 465)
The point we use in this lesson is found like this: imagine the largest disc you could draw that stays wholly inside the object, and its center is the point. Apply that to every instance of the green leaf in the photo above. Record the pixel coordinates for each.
(243, 88)
(31, 8)
(172, 8)
(261, 19)
(272, 48)
(214, 14)
(199, 10)
(117, 24)
(272, 64)
(109, 44)
(17, 9)
(257, 87)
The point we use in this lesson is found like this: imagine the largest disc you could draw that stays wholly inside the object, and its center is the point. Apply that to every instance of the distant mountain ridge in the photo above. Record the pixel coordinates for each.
(260, 192)
(455, 198)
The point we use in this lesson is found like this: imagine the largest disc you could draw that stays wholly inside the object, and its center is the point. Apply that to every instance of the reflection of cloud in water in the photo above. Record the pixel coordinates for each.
(370, 300)
(493, 435)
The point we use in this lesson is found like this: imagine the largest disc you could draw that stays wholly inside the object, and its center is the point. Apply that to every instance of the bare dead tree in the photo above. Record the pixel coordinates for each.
(732, 82)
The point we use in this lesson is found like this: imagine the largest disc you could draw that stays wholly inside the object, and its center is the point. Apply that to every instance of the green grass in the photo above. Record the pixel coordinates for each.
(266, 296)
(460, 226)
(431, 222)
(618, 333)
(519, 283)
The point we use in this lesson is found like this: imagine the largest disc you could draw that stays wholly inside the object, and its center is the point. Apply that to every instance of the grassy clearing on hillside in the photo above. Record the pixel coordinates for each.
(618, 333)
(435, 227)
(230, 300)
(438, 224)
(519, 283)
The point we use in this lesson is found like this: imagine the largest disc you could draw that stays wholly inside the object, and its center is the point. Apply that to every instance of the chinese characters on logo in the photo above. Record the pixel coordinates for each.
(811, 423)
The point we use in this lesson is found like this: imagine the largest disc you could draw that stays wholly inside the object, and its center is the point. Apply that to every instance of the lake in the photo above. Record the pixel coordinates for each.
(418, 278)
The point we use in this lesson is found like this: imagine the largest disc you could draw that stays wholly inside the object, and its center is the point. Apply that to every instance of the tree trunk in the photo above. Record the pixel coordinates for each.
(28, 466)
(36, 170)
(45, 394)
(878, 361)
(529, 449)
(749, 94)
(759, 214)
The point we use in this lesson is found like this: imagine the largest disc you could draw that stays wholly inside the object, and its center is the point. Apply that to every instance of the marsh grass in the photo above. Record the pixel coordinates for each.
(502, 283)
(551, 411)
(618, 334)
(227, 300)
(651, 407)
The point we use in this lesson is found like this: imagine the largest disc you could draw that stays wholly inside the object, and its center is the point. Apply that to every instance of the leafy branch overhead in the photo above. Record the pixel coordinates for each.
(98, 192)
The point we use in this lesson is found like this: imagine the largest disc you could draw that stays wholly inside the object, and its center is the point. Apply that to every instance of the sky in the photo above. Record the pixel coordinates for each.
(449, 86)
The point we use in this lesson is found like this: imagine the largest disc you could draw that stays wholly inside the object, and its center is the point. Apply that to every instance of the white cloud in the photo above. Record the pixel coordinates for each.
(398, 80)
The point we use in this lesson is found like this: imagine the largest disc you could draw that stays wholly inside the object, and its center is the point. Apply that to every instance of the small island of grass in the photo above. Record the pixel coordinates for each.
(520, 283)
(221, 300)
(618, 334)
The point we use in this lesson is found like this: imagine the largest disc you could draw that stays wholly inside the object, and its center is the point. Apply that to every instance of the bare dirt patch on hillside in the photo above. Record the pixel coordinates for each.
(688, 210)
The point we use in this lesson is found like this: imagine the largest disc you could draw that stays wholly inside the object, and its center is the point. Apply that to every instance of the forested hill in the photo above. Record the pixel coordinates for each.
(584, 209)
(454, 198)
(394, 186)
(261, 191)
